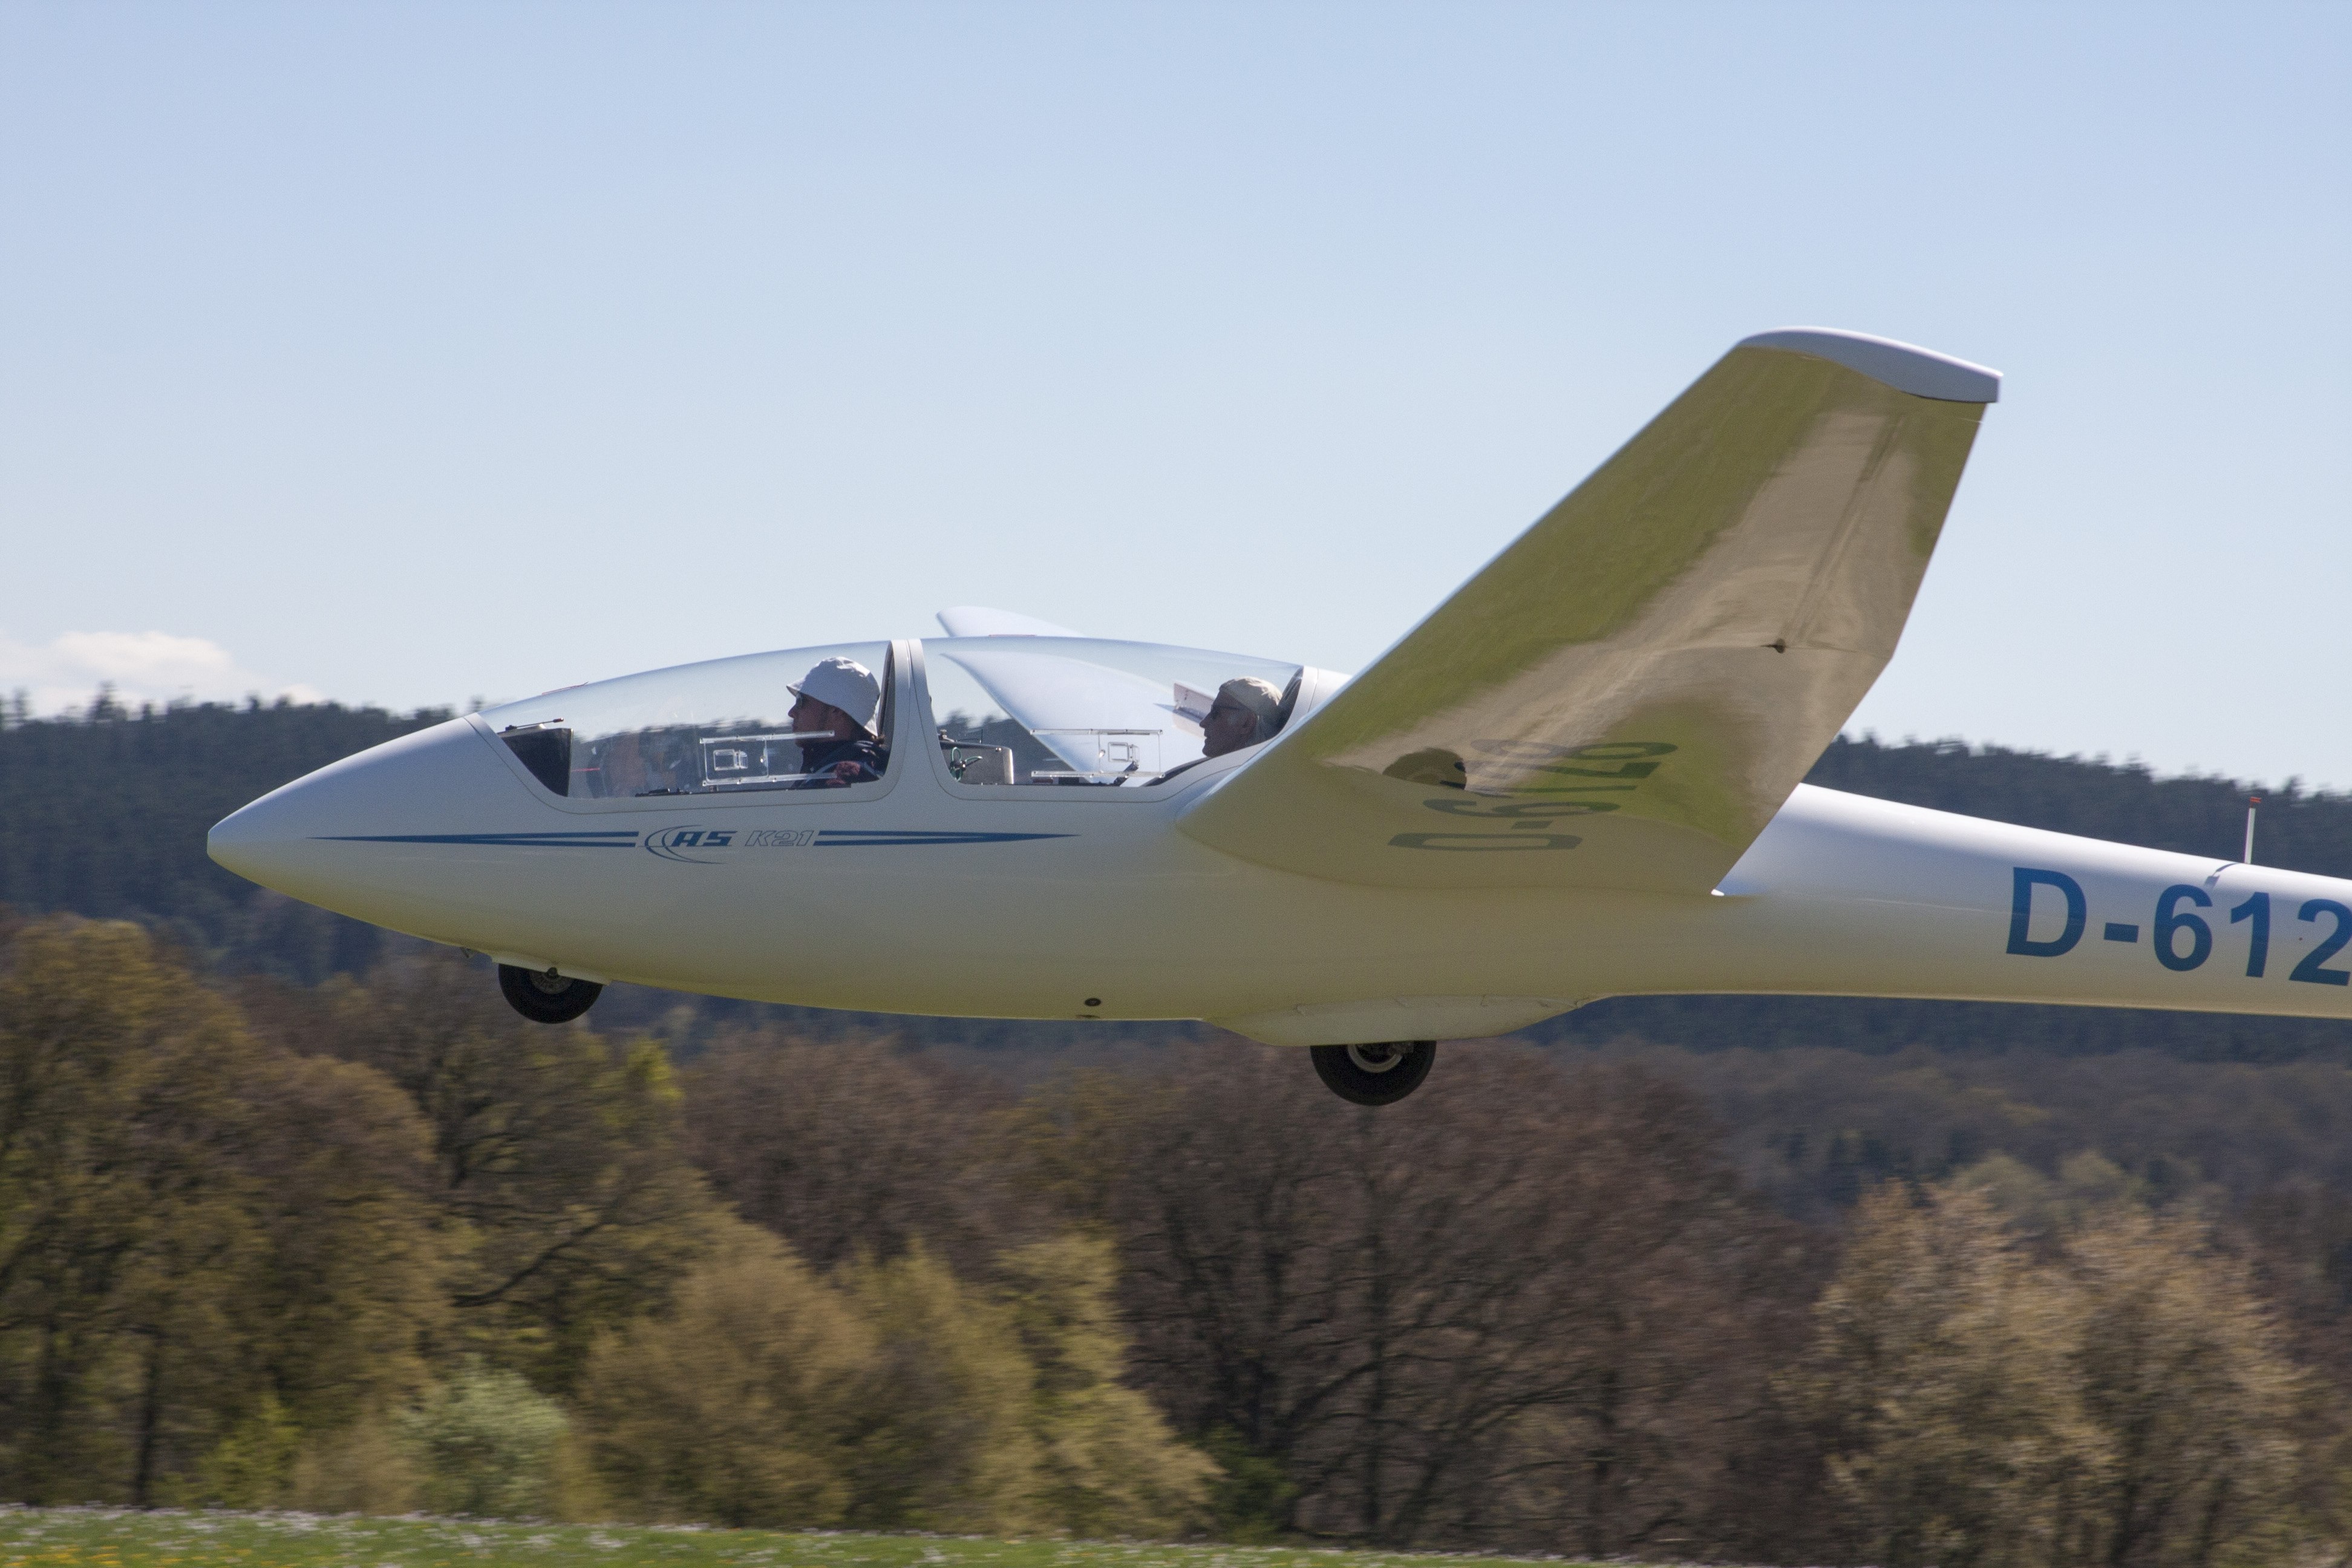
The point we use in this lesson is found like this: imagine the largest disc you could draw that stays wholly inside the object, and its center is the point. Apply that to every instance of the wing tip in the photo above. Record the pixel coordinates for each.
(1906, 367)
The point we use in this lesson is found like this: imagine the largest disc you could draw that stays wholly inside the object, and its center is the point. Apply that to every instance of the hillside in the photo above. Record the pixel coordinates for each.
(106, 815)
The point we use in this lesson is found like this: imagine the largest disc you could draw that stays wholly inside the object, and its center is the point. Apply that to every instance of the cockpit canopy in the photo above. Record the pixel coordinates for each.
(1017, 711)
(1078, 711)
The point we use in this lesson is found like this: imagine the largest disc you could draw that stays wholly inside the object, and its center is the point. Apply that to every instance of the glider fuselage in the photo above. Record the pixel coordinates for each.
(1083, 903)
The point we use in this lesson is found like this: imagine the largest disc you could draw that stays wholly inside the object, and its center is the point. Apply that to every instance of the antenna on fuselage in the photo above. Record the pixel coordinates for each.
(2252, 801)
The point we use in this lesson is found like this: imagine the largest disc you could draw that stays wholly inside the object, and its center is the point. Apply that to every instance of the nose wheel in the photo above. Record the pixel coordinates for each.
(546, 997)
(1374, 1075)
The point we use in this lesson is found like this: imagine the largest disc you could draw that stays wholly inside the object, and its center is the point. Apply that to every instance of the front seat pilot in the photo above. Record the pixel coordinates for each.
(838, 718)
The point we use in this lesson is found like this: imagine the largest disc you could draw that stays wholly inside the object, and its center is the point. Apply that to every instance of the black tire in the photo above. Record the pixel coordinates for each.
(1375, 1075)
(546, 998)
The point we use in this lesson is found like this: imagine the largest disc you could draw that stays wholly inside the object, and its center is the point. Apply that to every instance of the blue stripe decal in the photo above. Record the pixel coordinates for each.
(830, 838)
(550, 840)
(851, 838)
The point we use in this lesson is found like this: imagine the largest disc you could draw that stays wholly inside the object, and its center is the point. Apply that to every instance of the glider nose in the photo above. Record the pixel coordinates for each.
(288, 838)
(310, 838)
(253, 840)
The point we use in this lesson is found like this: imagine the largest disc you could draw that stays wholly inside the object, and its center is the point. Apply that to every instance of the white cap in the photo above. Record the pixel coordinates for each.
(846, 684)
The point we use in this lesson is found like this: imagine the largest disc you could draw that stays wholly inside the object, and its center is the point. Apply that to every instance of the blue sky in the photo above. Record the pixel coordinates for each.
(415, 353)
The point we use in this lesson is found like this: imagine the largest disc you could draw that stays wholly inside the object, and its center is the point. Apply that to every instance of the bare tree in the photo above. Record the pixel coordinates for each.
(1523, 1309)
(849, 1146)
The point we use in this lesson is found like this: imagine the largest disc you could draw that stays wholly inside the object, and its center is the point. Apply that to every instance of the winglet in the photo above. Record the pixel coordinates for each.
(1917, 371)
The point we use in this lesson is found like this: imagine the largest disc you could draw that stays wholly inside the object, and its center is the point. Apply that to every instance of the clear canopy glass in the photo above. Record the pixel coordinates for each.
(1080, 710)
(1007, 711)
(718, 728)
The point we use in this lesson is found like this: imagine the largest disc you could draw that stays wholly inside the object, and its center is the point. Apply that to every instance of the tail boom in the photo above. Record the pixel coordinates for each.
(1847, 895)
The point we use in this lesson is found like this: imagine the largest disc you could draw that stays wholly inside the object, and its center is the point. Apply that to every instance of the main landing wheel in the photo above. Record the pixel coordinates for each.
(548, 997)
(1375, 1075)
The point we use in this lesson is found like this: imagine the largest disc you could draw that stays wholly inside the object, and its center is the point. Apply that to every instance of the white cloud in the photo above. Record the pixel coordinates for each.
(64, 674)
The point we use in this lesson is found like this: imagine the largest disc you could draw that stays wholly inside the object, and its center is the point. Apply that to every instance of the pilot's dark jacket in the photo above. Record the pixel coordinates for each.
(823, 763)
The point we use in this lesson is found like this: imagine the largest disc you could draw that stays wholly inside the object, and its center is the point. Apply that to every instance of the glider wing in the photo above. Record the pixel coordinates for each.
(1624, 695)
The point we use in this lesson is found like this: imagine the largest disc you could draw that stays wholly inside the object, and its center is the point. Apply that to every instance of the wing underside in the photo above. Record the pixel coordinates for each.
(1625, 696)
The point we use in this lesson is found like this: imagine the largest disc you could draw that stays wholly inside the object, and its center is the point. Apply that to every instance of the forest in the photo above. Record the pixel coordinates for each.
(293, 1215)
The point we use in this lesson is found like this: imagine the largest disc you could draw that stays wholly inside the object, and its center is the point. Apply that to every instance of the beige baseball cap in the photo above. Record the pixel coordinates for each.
(1254, 694)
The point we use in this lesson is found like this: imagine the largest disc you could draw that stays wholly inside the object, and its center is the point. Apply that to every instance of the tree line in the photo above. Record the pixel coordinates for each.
(377, 1244)
(107, 811)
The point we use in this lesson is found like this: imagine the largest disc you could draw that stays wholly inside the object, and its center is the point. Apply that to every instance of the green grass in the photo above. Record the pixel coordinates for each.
(115, 1538)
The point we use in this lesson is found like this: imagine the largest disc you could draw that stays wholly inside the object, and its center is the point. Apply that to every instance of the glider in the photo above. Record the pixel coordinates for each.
(1578, 778)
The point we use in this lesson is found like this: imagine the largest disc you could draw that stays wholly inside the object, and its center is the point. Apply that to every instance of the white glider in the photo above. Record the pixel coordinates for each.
(1578, 778)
